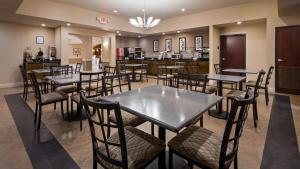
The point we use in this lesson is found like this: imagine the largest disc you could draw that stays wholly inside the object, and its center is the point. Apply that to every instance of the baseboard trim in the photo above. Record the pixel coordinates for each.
(10, 85)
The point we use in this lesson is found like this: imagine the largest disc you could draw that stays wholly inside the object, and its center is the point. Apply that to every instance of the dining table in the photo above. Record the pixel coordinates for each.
(67, 79)
(134, 67)
(219, 113)
(241, 71)
(169, 108)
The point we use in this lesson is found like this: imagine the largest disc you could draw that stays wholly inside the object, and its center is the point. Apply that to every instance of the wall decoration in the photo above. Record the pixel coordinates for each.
(155, 46)
(168, 45)
(198, 43)
(39, 39)
(76, 51)
(182, 44)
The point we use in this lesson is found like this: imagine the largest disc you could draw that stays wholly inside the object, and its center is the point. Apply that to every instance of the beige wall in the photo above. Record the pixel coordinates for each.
(14, 39)
(122, 42)
(256, 44)
(147, 42)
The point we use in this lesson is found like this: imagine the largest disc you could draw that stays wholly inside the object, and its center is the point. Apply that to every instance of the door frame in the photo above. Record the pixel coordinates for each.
(276, 63)
(230, 35)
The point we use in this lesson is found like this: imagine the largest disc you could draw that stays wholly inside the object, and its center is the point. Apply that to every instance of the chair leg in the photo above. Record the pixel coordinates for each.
(190, 164)
(62, 109)
(227, 106)
(152, 129)
(68, 112)
(40, 117)
(201, 121)
(80, 115)
(236, 161)
(54, 106)
(170, 159)
(26, 92)
(94, 161)
(36, 112)
(255, 113)
(267, 95)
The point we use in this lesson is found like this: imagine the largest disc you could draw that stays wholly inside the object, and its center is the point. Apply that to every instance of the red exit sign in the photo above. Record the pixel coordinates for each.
(102, 20)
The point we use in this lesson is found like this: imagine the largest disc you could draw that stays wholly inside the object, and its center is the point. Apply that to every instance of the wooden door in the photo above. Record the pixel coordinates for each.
(287, 60)
(233, 52)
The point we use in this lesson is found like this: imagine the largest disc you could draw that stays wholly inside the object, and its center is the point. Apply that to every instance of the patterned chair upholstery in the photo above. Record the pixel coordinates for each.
(199, 144)
(128, 119)
(141, 148)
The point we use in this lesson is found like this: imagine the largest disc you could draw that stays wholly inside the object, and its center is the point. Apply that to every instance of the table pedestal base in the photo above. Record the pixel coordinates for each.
(74, 116)
(178, 163)
(218, 114)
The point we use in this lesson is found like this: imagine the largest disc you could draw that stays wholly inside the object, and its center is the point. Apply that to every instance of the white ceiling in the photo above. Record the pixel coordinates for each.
(159, 8)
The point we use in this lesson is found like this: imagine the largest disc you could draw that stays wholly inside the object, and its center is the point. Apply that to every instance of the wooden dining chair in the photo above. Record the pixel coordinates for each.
(239, 94)
(142, 71)
(127, 148)
(68, 71)
(163, 74)
(110, 70)
(199, 83)
(182, 80)
(46, 99)
(78, 68)
(118, 84)
(264, 85)
(206, 149)
(91, 84)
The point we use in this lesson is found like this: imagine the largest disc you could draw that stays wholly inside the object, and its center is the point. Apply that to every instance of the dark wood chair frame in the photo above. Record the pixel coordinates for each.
(225, 159)
(98, 139)
(259, 80)
(109, 86)
(39, 104)
(162, 74)
(92, 92)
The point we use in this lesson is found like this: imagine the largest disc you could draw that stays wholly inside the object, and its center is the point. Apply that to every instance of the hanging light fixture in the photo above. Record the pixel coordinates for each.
(145, 22)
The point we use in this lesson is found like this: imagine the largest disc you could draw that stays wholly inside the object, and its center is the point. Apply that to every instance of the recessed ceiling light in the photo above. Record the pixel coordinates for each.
(163, 33)
(118, 32)
(178, 31)
(115, 11)
(239, 23)
(139, 36)
(182, 9)
(68, 24)
(43, 25)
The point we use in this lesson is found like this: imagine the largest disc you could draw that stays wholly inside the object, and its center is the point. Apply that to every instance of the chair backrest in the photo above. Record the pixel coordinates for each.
(101, 145)
(198, 80)
(144, 66)
(234, 129)
(269, 75)
(68, 69)
(181, 70)
(110, 70)
(78, 67)
(116, 83)
(182, 79)
(91, 83)
(35, 87)
(258, 82)
(59, 70)
(161, 69)
(217, 68)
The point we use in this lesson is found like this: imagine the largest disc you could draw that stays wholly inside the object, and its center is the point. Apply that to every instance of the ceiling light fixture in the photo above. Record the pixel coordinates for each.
(146, 22)
(115, 11)
(118, 32)
(68, 24)
(182, 9)
(163, 33)
(239, 23)
(178, 31)
(139, 36)
(43, 25)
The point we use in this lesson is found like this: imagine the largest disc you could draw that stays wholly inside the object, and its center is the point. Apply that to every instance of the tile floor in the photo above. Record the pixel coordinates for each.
(78, 144)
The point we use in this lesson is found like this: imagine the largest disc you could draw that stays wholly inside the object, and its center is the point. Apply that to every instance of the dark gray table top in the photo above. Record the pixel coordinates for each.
(41, 70)
(170, 108)
(243, 71)
(227, 78)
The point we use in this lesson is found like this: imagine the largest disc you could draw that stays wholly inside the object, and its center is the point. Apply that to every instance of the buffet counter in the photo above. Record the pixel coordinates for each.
(200, 66)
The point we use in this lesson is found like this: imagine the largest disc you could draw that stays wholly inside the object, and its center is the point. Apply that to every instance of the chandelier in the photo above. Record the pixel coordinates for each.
(145, 22)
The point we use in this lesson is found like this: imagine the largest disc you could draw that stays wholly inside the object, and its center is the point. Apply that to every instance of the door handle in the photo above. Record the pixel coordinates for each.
(280, 60)
(223, 59)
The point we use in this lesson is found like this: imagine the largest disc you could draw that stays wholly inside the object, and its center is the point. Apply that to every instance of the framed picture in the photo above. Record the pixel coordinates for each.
(39, 39)
(198, 43)
(168, 45)
(76, 51)
(155, 46)
(182, 44)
